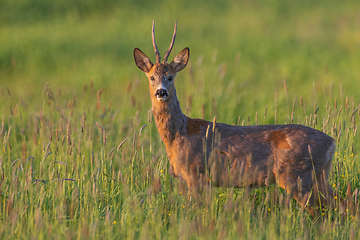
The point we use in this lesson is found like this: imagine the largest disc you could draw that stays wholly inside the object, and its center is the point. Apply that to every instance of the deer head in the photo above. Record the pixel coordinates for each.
(161, 74)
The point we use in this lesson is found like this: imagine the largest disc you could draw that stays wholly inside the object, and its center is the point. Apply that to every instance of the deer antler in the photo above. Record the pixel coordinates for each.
(171, 45)
(154, 44)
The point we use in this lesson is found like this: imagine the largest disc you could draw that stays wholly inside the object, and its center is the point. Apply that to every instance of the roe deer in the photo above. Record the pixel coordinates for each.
(296, 157)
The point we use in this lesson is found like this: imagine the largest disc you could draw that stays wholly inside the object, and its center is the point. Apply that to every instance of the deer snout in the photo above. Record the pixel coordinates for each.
(161, 94)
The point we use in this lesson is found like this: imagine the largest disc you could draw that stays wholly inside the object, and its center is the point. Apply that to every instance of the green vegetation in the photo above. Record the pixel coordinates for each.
(70, 93)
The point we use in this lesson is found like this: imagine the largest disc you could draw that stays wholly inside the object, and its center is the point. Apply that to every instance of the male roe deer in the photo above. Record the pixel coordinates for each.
(296, 157)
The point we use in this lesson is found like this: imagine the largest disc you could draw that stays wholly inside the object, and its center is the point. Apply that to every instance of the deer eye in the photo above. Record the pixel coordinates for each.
(171, 78)
(152, 78)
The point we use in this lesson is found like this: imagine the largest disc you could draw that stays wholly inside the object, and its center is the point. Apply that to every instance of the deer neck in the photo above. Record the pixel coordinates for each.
(169, 119)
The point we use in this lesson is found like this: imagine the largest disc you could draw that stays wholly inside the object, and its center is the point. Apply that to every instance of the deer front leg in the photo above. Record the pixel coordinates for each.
(171, 172)
(195, 180)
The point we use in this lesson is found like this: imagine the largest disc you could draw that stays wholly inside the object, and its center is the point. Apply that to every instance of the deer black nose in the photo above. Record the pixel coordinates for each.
(161, 93)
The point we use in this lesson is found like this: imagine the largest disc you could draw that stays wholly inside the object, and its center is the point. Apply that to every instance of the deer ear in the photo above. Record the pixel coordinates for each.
(181, 60)
(142, 61)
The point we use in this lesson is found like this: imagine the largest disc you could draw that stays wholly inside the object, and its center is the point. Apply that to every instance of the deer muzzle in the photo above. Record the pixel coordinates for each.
(161, 94)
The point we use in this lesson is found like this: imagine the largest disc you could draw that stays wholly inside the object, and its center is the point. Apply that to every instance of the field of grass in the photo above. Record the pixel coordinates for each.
(80, 154)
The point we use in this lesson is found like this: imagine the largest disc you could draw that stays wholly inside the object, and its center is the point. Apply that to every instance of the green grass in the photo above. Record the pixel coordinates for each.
(67, 67)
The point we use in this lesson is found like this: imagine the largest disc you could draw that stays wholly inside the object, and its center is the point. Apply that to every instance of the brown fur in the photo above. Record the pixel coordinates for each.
(279, 140)
(235, 155)
(194, 126)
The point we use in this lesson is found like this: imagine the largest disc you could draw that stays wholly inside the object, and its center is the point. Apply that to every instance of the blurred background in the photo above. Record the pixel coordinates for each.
(250, 46)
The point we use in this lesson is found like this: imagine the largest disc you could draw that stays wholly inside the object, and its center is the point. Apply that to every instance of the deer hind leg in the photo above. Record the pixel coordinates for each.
(299, 188)
(317, 195)
(304, 191)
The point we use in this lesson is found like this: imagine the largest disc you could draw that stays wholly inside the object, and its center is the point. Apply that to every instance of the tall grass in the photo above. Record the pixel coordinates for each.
(66, 172)
(81, 157)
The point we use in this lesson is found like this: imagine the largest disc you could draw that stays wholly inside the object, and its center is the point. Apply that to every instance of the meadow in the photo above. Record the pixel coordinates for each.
(80, 154)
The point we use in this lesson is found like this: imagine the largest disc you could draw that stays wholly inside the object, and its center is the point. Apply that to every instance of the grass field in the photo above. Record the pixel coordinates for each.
(80, 154)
